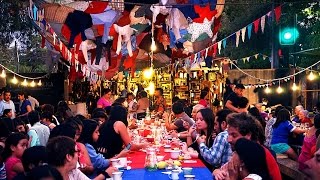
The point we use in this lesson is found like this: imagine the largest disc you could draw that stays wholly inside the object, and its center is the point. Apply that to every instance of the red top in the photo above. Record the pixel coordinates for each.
(273, 167)
(203, 102)
(10, 162)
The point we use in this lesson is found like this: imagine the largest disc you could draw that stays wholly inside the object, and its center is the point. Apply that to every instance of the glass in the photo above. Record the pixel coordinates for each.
(151, 160)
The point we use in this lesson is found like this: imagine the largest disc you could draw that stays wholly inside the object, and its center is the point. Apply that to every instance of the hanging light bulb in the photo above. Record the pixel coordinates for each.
(39, 83)
(14, 80)
(32, 84)
(153, 45)
(267, 90)
(294, 87)
(311, 76)
(279, 89)
(24, 83)
(148, 73)
(3, 73)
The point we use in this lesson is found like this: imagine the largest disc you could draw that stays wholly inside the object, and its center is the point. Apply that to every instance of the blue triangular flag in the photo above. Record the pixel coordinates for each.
(224, 43)
(249, 29)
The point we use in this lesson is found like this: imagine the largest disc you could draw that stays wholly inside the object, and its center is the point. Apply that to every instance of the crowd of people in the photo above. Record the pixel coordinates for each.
(237, 142)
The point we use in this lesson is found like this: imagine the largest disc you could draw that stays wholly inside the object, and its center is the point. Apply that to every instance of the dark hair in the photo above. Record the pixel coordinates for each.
(243, 102)
(246, 124)
(47, 115)
(119, 101)
(316, 121)
(253, 156)
(5, 112)
(100, 114)
(63, 130)
(45, 171)
(33, 117)
(12, 140)
(105, 91)
(177, 108)
(108, 109)
(208, 117)
(240, 86)
(4, 130)
(18, 121)
(276, 111)
(130, 94)
(98, 109)
(222, 116)
(160, 90)
(256, 113)
(75, 121)
(118, 113)
(47, 107)
(175, 99)
(143, 94)
(57, 149)
(21, 93)
(79, 118)
(6, 91)
(283, 115)
(34, 156)
(89, 126)
(203, 94)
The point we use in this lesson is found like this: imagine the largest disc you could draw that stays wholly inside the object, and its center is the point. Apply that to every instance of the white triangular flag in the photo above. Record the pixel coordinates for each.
(243, 33)
(264, 57)
(237, 38)
(206, 54)
(263, 22)
(248, 59)
(256, 56)
(219, 47)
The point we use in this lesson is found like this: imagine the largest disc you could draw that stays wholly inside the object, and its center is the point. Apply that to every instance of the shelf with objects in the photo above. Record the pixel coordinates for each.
(180, 83)
(164, 81)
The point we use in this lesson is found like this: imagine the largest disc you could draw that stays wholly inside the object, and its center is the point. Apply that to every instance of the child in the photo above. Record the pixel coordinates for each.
(15, 145)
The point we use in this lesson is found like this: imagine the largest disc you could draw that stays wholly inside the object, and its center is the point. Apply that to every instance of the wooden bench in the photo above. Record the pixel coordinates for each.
(289, 168)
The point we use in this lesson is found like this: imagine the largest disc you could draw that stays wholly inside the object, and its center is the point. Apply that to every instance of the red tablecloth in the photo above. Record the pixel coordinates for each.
(138, 159)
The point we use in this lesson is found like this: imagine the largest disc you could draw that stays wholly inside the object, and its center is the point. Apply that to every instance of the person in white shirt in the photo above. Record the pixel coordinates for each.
(34, 102)
(6, 103)
(43, 131)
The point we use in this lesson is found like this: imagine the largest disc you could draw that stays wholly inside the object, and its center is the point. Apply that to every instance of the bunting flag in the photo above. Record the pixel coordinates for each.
(277, 12)
(219, 47)
(256, 56)
(263, 22)
(243, 33)
(206, 54)
(256, 25)
(237, 38)
(215, 46)
(224, 43)
(249, 30)
(264, 57)
(269, 13)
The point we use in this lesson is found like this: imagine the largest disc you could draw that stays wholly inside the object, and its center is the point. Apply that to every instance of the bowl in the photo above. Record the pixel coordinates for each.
(160, 158)
(175, 154)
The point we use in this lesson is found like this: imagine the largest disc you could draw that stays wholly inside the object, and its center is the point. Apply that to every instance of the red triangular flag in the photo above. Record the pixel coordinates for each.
(215, 47)
(277, 12)
(43, 42)
(256, 25)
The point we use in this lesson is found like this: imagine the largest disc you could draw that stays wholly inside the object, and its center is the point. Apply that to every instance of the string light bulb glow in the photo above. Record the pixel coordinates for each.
(267, 90)
(294, 87)
(24, 83)
(32, 84)
(14, 80)
(311, 76)
(148, 73)
(153, 45)
(151, 88)
(3, 73)
(279, 89)
(39, 83)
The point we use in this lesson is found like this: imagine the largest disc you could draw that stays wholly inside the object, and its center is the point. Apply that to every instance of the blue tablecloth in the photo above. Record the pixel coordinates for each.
(140, 174)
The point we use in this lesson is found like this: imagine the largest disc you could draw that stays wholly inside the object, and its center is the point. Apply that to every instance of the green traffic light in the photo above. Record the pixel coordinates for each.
(288, 36)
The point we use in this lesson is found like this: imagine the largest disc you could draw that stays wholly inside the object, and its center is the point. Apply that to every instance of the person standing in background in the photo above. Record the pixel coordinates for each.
(234, 99)
(25, 104)
(7, 103)
(34, 102)
(105, 99)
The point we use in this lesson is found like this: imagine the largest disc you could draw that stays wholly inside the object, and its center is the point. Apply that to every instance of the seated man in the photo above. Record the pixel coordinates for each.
(63, 154)
(180, 116)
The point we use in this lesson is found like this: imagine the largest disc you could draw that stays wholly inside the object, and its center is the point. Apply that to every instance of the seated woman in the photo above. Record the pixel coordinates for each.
(88, 137)
(114, 134)
(309, 142)
(247, 163)
(204, 127)
(142, 105)
(280, 134)
(303, 117)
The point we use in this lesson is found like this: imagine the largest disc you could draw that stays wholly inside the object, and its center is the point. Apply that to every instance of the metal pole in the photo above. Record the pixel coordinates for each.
(274, 46)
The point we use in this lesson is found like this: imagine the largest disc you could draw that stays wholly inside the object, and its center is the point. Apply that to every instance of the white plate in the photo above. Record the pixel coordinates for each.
(190, 161)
